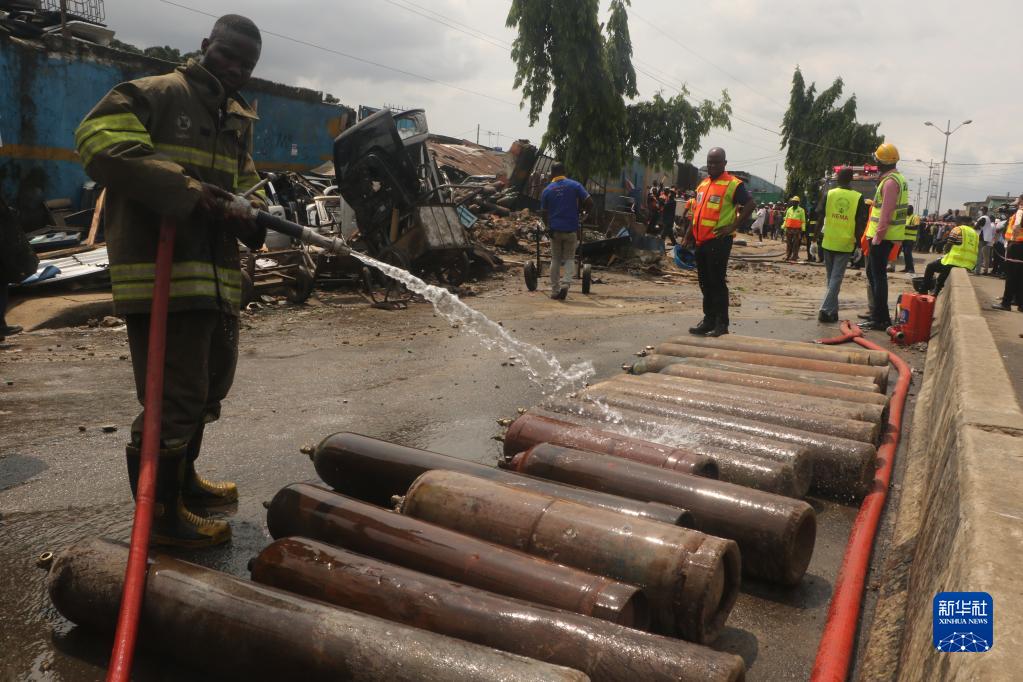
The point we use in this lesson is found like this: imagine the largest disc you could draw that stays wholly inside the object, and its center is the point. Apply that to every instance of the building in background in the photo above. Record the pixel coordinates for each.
(49, 84)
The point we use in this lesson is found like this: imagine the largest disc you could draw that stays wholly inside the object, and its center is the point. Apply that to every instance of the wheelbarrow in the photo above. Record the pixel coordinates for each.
(583, 252)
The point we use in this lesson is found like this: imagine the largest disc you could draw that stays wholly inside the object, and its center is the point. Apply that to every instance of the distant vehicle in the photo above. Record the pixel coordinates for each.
(864, 180)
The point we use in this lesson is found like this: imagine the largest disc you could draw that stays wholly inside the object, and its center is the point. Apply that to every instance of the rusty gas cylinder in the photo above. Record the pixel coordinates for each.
(691, 579)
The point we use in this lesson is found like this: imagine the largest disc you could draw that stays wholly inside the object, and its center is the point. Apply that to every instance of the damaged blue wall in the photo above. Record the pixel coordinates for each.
(48, 88)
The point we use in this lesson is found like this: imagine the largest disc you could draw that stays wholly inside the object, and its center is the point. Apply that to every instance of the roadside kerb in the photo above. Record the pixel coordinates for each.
(960, 522)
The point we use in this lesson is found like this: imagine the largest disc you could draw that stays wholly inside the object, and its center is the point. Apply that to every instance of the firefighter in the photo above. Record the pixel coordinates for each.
(722, 204)
(963, 241)
(176, 146)
(886, 227)
(794, 224)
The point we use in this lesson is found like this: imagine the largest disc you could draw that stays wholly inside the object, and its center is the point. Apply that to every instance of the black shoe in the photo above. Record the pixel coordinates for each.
(827, 318)
(562, 293)
(871, 325)
(10, 330)
(702, 328)
(718, 330)
(863, 316)
(1000, 306)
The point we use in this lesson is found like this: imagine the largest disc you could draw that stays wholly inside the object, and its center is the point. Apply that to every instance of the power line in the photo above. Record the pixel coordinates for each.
(450, 23)
(353, 57)
(701, 57)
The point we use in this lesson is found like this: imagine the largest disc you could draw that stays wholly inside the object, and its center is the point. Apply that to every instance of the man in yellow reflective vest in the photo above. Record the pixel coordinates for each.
(912, 231)
(886, 227)
(962, 244)
(175, 145)
(794, 224)
(722, 204)
(844, 219)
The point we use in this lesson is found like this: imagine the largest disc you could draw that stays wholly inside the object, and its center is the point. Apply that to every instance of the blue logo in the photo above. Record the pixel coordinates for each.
(964, 622)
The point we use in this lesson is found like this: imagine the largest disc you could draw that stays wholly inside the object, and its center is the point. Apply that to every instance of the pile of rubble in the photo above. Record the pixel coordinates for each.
(487, 199)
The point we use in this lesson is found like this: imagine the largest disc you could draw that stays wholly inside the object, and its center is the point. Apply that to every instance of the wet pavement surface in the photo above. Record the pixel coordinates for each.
(338, 365)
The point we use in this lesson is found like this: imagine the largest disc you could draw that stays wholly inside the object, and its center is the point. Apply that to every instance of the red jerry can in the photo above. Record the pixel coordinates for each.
(914, 314)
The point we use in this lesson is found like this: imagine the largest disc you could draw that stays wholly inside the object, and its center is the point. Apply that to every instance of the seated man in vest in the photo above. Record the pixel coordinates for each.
(844, 219)
(963, 241)
(716, 217)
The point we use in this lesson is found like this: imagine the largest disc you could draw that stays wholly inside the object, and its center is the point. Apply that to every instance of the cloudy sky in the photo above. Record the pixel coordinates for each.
(906, 62)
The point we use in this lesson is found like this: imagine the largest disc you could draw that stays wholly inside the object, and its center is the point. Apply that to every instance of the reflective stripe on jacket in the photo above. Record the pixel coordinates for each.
(912, 227)
(795, 218)
(897, 225)
(715, 206)
(152, 142)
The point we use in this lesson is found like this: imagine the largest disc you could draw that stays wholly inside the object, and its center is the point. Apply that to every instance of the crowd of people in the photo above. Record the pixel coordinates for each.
(845, 229)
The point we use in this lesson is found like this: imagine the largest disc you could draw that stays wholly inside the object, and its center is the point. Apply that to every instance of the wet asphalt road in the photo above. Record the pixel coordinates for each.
(308, 372)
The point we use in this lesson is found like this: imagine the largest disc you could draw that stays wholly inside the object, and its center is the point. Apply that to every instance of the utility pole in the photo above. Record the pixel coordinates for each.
(919, 186)
(947, 132)
(477, 133)
(775, 181)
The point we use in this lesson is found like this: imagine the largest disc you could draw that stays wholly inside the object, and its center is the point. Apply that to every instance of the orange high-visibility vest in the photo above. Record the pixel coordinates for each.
(1011, 233)
(715, 206)
(795, 218)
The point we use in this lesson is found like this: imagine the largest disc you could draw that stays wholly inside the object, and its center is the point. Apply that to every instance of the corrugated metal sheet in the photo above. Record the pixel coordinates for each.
(469, 158)
(85, 264)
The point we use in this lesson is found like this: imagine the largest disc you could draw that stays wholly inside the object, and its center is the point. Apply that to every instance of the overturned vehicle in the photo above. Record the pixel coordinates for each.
(404, 211)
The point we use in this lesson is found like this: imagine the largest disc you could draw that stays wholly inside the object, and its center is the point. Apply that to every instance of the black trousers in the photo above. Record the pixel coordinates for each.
(202, 353)
(936, 267)
(907, 254)
(711, 269)
(877, 273)
(3, 305)
(1013, 294)
(998, 258)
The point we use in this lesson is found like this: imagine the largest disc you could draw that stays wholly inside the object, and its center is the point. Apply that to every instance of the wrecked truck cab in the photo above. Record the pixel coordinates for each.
(403, 211)
(375, 176)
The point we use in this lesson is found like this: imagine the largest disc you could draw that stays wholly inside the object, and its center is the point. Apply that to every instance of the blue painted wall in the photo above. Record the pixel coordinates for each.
(46, 90)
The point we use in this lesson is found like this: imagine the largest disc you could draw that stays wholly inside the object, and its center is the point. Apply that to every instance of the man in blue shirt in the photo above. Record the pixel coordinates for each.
(562, 202)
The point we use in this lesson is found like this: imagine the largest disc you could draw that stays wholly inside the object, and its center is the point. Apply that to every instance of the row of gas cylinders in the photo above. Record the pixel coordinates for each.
(591, 553)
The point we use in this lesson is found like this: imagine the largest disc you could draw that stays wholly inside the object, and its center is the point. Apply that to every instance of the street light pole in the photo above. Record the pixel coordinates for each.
(930, 178)
(947, 132)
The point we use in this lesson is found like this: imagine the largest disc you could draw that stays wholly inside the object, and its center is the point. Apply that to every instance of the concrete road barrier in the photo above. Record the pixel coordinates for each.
(960, 522)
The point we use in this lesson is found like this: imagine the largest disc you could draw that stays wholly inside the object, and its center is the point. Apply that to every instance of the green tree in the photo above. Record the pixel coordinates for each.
(820, 133)
(566, 59)
(661, 129)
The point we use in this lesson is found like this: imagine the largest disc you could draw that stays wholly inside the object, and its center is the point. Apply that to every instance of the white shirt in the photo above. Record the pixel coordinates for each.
(987, 232)
(758, 224)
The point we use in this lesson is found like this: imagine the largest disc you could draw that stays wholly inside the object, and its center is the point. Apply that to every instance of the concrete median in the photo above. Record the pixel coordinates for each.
(960, 522)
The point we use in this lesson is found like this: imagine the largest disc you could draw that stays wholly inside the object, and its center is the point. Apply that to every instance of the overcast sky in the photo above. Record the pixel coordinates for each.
(907, 62)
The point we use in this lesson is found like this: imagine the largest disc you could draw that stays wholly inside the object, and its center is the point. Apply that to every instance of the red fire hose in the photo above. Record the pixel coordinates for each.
(834, 653)
(135, 573)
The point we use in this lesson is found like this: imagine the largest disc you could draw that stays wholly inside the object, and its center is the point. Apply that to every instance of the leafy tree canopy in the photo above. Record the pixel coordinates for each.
(819, 133)
(566, 58)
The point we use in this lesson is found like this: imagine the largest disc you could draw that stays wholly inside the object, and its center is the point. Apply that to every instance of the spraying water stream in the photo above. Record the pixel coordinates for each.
(543, 368)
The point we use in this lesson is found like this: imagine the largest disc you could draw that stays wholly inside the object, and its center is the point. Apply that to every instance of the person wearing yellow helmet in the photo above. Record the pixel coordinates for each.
(886, 226)
(794, 224)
